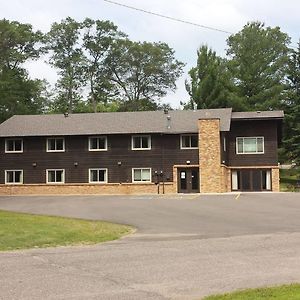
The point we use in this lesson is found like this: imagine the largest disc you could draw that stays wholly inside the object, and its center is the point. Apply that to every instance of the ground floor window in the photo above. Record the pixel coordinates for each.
(141, 175)
(97, 175)
(14, 176)
(251, 180)
(55, 176)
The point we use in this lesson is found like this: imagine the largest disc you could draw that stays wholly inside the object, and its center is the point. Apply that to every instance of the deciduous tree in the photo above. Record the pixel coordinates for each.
(143, 72)
(63, 42)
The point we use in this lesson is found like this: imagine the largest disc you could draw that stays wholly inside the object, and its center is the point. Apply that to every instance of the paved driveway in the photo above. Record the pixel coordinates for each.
(186, 247)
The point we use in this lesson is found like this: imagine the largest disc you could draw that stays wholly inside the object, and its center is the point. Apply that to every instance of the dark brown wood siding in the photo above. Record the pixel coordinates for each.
(165, 153)
(267, 129)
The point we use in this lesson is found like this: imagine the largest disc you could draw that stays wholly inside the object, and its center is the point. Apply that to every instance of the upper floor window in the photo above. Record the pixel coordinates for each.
(13, 145)
(189, 141)
(13, 176)
(55, 145)
(141, 142)
(141, 175)
(98, 143)
(97, 175)
(250, 145)
(55, 176)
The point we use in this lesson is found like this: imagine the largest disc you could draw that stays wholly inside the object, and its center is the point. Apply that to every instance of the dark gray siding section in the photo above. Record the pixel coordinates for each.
(164, 154)
(267, 129)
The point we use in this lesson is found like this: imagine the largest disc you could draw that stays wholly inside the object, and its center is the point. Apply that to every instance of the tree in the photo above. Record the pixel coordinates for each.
(98, 39)
(142, 72)
(18, 93)
(292, 109)
(209, 85)
(258, 61)
(66, 55)
(18, 44)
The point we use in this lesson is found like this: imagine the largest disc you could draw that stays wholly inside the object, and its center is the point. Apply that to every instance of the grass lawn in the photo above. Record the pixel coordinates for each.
(284, 292)
(288, 180)
(21, 231)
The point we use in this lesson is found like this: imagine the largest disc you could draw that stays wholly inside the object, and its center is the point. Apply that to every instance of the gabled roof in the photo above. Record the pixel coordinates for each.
(180, 121)
(176, 121)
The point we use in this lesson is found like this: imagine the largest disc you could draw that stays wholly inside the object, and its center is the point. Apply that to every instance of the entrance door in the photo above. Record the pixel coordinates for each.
(188, 180)
(251, 180)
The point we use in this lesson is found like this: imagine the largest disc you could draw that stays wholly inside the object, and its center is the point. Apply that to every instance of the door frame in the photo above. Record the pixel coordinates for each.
(251, 170)
(176, 173)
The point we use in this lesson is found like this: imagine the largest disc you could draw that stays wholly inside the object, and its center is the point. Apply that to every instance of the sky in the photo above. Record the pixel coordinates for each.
(228, 15)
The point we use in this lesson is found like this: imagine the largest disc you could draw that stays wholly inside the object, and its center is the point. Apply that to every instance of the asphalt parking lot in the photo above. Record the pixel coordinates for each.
(186, 246)
(205, 215)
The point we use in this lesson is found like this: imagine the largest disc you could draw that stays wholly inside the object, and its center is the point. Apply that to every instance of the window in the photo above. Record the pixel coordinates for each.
(141, 142)
(55, 176)
(97, 175)
(235, 180)
(249, 145)
(55, 145)
(13, 145)
(98, 143)
(14, 176)
(141, 175)
(189, 141)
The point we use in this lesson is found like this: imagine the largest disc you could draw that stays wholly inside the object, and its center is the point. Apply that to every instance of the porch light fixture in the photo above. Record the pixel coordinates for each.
(34, 164)
(75, 164)
(119, 163)
(188, 162)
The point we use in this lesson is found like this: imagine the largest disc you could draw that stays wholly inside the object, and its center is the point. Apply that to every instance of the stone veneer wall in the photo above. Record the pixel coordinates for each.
(275, 180)
(82, 189)
(213, 176)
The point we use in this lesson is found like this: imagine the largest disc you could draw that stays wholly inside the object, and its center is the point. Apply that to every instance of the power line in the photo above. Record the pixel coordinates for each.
(174, 19)
(167, 17)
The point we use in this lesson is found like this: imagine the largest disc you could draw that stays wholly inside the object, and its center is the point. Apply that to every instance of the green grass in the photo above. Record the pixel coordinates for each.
(284, 292)
(288, 180)
(21, 231)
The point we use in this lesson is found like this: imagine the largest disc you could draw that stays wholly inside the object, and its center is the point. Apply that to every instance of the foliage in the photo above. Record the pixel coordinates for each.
(258, 61)
(18, 44)
(66, 55)
(98, 39)
(209, 85)
(21, 231)
(143, 70)
(284, 292)
(290, 179)
(18, 93)
(292, 109)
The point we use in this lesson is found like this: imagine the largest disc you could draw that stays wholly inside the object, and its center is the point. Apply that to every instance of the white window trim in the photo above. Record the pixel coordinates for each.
(13, 139)
(96, 137)
(98, 169)
(53, 138)
(132, 175)
(63, 176)
(187, 148)
(5, 172)
(249, 137)
(141, 135)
